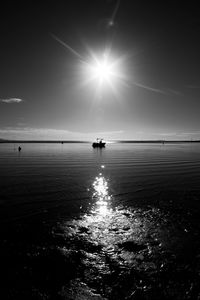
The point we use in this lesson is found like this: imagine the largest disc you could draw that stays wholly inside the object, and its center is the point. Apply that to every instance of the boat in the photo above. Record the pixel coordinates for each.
(99, 144)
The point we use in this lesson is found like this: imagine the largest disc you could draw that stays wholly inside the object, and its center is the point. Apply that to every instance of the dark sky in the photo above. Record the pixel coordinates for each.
(43, 89)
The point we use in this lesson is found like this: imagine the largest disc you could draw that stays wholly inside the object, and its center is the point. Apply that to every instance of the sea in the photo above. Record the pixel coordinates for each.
(121, 222)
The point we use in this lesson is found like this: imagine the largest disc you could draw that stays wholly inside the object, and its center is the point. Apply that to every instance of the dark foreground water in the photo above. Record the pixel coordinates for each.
(82, 223)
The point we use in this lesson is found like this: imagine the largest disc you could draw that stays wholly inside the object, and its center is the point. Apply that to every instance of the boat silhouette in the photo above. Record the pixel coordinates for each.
(99, 144)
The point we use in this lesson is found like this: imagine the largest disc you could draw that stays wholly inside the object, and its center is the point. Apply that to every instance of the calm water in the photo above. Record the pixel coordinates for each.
(114, 223)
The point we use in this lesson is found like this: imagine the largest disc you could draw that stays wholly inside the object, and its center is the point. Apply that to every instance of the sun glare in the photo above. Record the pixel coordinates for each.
(104, 72)
(101, 70)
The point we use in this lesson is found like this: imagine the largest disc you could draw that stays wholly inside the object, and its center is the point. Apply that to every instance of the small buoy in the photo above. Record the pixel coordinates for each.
(19, 148)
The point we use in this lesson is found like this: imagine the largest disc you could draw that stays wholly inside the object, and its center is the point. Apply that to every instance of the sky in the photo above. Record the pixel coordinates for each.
(50, 87)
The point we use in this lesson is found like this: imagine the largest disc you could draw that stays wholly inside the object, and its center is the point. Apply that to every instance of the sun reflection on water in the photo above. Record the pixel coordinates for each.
(114, 242)
(101, 195)
(112, 239)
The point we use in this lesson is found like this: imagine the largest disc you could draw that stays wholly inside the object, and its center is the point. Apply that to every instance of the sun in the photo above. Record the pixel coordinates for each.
(105, 72)
(101, 70)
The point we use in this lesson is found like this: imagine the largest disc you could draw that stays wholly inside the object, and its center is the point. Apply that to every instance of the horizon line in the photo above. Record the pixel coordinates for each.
(163, 141)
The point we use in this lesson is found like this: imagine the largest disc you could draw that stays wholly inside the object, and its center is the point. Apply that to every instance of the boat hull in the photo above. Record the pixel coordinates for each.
(98, 145)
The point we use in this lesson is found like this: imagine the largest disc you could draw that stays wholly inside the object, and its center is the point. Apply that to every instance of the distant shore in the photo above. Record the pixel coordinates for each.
(110, 141)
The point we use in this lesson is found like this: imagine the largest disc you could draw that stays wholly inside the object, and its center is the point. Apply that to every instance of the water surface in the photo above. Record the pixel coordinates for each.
(114, 223)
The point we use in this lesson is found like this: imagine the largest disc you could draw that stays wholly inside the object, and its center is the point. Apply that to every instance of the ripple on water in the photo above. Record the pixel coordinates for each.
(148, 249)
(125, 253)
(115, 244)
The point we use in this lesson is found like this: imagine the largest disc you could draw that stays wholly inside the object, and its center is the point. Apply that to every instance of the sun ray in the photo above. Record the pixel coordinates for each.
(102, 69)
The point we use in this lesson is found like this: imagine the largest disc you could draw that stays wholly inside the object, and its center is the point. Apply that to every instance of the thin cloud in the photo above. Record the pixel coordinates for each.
(110, 132)
(191, 133)
(167, 133)
(29, 133)
(179, 135)
(11, 100)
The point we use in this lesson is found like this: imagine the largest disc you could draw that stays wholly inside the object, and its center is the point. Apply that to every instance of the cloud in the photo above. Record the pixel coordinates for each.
(44, 134)
(28, 133)
(167, 133)
(110, 132)
(191, 133)
(179, 135)
(11, 100)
